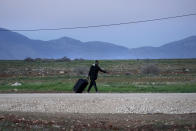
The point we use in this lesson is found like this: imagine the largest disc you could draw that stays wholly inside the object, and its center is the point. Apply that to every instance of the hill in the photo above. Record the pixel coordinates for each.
(16, 46)
(184, 48)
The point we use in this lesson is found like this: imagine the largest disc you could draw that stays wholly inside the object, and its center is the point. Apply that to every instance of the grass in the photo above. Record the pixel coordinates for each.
(125, 88)
(124, 77)
(105, 85)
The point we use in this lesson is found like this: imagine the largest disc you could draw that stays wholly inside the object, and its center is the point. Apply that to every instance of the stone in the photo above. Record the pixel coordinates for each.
(61, 72)
(16, 84)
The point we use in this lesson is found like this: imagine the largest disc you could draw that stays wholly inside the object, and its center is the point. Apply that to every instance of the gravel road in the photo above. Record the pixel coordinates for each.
(142, 103)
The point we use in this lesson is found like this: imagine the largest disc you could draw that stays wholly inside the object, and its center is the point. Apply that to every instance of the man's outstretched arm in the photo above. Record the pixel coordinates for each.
(102, 70)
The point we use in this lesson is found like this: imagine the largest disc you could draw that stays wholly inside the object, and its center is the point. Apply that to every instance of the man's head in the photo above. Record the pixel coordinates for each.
(96, 62)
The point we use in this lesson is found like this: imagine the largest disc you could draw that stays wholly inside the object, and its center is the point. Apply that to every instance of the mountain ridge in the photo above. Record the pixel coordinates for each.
(16, 46)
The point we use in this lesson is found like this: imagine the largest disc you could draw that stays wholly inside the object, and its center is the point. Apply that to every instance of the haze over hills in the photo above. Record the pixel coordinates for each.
(185, 48)
(16, 46)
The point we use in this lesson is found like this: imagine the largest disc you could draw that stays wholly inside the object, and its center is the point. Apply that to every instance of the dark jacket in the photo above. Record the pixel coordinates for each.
(93, 73)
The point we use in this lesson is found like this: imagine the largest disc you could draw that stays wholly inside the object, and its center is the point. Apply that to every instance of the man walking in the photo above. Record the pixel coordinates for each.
(93, 73)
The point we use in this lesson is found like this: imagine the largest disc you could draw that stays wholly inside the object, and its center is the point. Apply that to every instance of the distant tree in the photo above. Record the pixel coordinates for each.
(29, 59)
(38, 59)
(80, 59)
(64, 59)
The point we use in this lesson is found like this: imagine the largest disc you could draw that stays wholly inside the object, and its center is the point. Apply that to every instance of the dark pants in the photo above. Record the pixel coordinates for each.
(92, 83)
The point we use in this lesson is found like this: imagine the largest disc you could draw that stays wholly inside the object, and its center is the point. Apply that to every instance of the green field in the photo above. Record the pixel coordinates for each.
(178, 75)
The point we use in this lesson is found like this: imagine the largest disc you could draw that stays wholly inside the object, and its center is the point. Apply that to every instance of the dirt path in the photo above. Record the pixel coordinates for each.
(141, 103)
(96, 122)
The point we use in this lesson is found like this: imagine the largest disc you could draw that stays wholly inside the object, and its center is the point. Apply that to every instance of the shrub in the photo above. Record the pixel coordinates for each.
(81, 70)
(38, 59)
(80, 59)
(151, 69)
(64, 59)
(28, 59)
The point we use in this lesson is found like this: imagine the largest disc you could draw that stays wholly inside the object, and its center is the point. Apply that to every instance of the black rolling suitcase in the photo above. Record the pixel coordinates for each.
(80, 85)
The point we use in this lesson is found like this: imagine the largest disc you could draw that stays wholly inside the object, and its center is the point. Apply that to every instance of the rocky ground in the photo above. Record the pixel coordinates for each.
(136, 111)
(94, 121)
(141, 103)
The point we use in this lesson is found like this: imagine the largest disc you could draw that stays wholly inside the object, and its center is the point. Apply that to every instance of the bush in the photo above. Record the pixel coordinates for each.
(64, 59)
(38, 59)
(80, 59)
(28, 59)
(151, 69)
(81, 70)
(44, 59)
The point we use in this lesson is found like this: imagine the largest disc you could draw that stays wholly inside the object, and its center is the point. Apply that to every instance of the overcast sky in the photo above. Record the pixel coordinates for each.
(32, 14)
